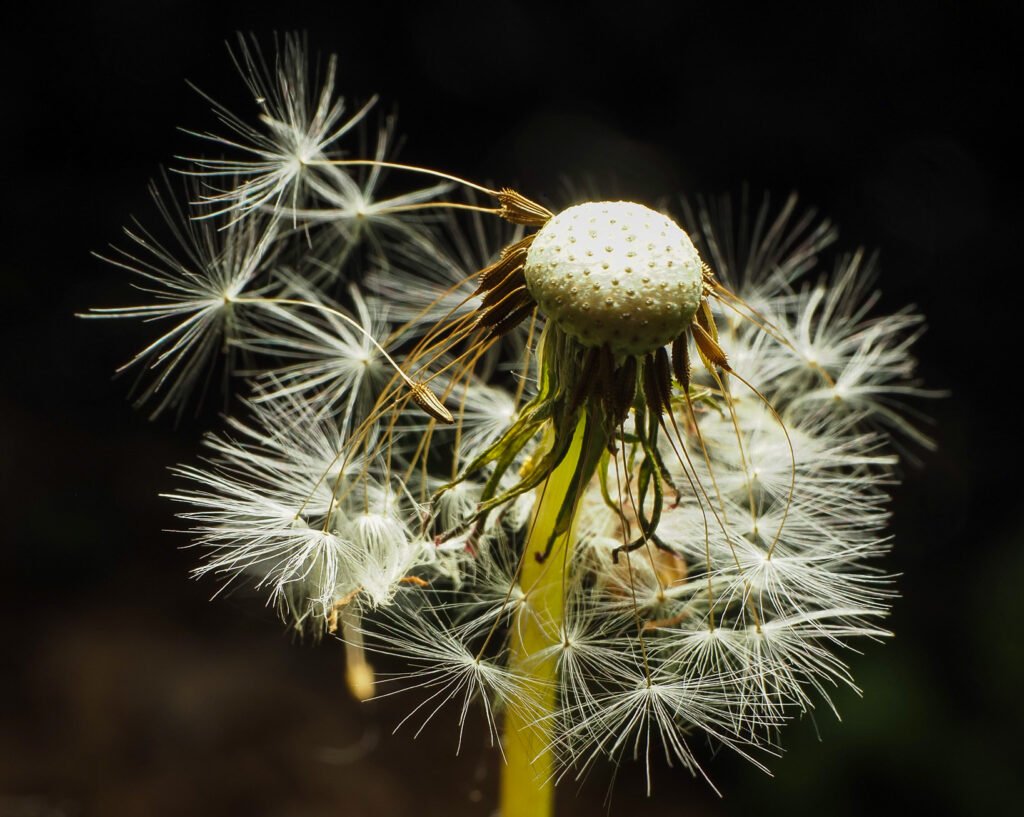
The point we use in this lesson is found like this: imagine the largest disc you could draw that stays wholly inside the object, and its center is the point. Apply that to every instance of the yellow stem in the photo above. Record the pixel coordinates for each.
(527, 782)
(359, 674)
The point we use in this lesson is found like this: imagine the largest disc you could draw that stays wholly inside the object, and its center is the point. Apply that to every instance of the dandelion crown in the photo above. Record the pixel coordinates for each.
(472, 441)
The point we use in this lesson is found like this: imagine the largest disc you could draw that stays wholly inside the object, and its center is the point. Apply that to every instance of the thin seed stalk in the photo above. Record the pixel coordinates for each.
(527, 782)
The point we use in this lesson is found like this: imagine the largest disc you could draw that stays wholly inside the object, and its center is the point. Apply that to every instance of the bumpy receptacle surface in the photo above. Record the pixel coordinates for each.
(615, 272)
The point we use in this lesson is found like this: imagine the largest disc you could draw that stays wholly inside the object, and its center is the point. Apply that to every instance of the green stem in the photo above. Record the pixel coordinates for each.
(527, 782)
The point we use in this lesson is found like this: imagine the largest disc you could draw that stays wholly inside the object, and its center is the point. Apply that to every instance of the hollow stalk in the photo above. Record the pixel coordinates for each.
(527, 783)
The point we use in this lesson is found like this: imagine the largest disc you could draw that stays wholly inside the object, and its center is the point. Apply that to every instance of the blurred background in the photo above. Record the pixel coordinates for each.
(125, 691)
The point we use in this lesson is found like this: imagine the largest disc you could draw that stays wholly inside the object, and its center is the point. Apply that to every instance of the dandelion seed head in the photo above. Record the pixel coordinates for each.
(624, 489)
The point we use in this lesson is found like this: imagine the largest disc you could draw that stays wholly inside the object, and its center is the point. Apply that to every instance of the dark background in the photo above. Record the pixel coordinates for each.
(125, 692)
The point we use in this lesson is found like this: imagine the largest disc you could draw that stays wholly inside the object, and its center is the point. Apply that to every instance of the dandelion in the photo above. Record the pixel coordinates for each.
(622, 484)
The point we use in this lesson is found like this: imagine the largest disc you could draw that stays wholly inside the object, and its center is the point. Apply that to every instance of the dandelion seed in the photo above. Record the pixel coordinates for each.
(280, 507)
(196, 282)
(299, 124)
(335, 369)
